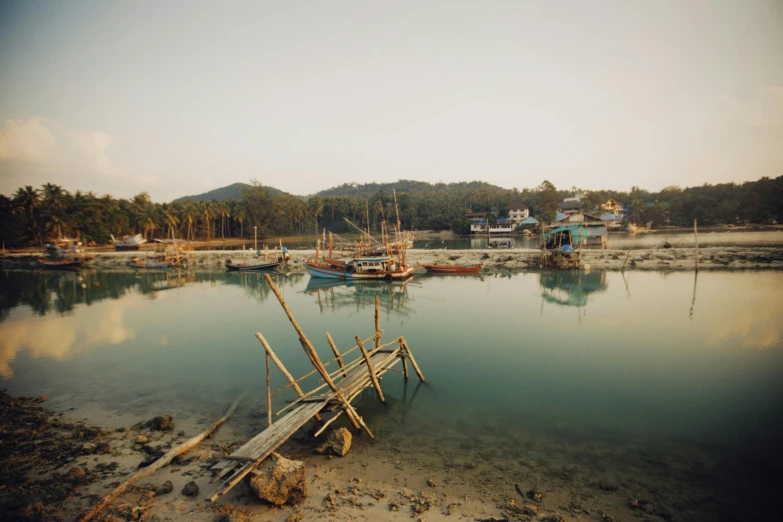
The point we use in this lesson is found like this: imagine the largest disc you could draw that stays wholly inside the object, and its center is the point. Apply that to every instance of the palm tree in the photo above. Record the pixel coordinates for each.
(29, 199)
(240, 215)
(208, 214)
(223, 210)
(171, 219)
(190, 215)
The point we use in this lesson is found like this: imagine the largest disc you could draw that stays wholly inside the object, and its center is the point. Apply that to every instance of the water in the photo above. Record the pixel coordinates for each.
(601, 375)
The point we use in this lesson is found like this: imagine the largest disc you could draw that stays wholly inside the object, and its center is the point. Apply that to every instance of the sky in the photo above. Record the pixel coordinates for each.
(177, 98)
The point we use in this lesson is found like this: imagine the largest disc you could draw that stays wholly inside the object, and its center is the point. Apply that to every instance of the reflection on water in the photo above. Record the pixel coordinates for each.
(643, 366)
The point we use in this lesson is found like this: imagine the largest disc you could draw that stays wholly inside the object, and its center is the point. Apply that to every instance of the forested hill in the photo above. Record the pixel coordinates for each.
(402, 186)
(233, 191)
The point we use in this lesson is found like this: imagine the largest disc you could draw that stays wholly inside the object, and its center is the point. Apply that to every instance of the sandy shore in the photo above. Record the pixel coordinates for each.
(735, 257)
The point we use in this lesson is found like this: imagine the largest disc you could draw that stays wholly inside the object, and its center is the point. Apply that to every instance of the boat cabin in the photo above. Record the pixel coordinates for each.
(369, 265)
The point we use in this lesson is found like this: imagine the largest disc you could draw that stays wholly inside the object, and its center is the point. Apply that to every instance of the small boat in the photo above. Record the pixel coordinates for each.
(448, 269)
(60, 263)
(231, 265)
(150, 263)
(381, 267)
(128, 242)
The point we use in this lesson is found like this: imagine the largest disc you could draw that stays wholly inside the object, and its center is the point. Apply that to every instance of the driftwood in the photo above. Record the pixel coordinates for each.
(161, 462)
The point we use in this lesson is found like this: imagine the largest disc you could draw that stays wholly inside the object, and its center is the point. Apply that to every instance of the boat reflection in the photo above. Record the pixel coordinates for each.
(569, 288)
(333, 294)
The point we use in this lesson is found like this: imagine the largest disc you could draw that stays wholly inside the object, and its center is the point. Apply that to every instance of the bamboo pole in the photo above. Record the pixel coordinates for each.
(336, 353)
(409, 354)
(627, 255)
(161, 462)
(404, 361)
(306, 344)
(268, 392)
(377, 325)
(370, 368)
(282, 369)
(696, 236)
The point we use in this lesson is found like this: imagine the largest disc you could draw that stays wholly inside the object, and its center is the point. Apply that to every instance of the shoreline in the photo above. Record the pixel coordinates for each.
(495, 260)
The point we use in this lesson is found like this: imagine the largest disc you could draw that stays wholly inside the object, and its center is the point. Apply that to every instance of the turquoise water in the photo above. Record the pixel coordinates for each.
(644, 359)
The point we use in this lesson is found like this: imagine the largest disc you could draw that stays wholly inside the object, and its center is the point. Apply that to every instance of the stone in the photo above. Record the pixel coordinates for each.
(190, 489)
(164, 488)
(142, 439)
(279, 481)
(88, 448)
(103, 447)
(75, 474)
(162, 423)
(338, 443)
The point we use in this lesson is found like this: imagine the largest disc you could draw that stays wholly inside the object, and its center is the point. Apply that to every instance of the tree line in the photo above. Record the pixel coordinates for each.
(34, 215)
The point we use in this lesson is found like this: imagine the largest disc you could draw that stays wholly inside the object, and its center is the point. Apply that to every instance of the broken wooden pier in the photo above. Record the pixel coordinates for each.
(358, 368)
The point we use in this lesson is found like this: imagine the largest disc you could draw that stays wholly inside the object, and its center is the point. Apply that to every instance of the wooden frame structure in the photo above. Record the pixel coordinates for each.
(340, 387)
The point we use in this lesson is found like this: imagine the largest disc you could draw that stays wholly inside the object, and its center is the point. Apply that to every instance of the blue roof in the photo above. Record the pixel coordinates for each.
(503, 220)
(529, 221)
(561, 217)
(612, 217)
(482, 223)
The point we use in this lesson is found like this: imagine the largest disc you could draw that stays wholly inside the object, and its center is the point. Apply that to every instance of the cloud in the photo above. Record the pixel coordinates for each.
(29, 140)
(763, 110)
(92, 148)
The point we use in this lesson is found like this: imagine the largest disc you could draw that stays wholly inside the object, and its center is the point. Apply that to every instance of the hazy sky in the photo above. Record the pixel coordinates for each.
(177, 98)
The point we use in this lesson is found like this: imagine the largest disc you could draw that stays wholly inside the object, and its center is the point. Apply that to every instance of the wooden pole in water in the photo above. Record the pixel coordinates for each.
(268, 392)
(336, 352)
(377, 324)
(404, 360)
(161, 462)
(409, 354)
(370, 368)
(281, 367)
(696, 236)
(626, 260)
(306, 344)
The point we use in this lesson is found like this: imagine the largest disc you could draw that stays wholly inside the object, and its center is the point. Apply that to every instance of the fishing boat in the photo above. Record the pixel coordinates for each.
(448, 269)
(128, 242)
(231, 265)
(381, 267)
(60, 263)
(151, 263)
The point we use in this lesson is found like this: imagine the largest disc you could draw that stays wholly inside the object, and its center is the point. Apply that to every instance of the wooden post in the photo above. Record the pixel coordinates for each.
(626, 260)
(696, 236)
(404, 360)
(370, 368)
(377, 324)
(336, 352)
(306, 344)
(282, 368)
(409, 354)
(268, 392)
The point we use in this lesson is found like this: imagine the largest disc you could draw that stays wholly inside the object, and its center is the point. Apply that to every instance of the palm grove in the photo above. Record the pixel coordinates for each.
(34, 215)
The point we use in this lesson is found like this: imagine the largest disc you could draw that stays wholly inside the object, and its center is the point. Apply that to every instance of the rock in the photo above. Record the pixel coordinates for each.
(103, 447)
(58, 494)
(190, 489)
(279, 481)
(166, 487)
(42, 398)
(75, 474)
(431, 483)
(162, 423)
(142, 439)
(535, 495)
(10, 503)
(554, 518)
(89, 448)
(339, 442)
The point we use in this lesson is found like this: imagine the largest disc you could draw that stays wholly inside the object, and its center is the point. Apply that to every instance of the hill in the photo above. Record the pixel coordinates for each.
(233, 191)
(402, 186)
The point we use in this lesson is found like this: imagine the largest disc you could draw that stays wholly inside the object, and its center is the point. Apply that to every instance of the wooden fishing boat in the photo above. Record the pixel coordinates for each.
(448, 269)
(128, 242)
(60, 263)
(381, 267)
(231, 265)
(151, 263)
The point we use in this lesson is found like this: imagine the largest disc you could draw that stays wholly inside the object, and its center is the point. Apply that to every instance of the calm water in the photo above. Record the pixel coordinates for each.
(644, 358)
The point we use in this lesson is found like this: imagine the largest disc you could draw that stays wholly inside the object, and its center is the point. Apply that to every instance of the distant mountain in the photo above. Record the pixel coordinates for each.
(402, 186)
(233, 191)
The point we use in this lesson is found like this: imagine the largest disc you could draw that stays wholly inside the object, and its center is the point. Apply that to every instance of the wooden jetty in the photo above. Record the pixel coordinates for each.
(369, 360)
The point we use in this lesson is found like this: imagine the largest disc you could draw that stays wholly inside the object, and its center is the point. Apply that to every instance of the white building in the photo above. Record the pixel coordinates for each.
(517, 212)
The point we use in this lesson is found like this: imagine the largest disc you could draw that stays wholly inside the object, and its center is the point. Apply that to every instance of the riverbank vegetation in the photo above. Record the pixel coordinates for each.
(32, 215)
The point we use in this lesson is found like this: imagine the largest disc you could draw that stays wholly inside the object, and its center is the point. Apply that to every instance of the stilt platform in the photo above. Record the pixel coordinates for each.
(340, 387)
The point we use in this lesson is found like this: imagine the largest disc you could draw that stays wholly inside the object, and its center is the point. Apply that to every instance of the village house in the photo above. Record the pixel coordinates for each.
(517, 212)
(612, 207)
(571, 205)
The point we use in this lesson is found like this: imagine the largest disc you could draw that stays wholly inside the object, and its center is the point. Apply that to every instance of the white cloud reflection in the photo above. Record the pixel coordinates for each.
(62, 337)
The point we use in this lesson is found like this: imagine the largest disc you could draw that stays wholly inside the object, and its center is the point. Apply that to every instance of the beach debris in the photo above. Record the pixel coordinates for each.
(279, 480)
(164, 460)
(338, 443)
(536, 495)
(161, 423)
(431, 483)
(190, 489)
(162, 489)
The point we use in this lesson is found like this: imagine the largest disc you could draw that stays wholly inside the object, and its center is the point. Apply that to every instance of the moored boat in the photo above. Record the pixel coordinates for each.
(128, 242)
(381, 267)
(448, 269)
(231, 265)
(60, 263)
